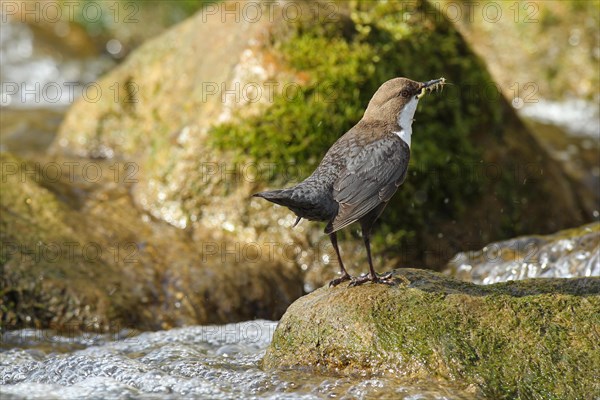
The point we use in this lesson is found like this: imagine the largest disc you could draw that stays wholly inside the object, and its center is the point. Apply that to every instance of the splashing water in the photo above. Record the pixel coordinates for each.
(566, 254)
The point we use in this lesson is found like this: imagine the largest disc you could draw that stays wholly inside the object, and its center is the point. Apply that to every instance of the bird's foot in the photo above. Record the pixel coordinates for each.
(337, 281)
(385, 279)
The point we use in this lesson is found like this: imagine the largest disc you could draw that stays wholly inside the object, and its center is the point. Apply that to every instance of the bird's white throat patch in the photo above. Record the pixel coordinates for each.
(405, 119)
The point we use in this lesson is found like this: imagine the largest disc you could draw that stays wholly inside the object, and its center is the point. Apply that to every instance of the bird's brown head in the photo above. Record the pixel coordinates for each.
(394, 95)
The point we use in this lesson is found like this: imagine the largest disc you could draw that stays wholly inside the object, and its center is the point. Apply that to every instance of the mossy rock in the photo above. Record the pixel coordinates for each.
(94, 262)
(526, 339)
(477, 173)
(47, 277)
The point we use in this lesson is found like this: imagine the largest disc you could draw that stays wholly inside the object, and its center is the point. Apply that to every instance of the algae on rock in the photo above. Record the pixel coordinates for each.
(524, 339)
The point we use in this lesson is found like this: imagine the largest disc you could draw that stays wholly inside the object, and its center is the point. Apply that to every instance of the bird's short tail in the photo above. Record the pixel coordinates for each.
(282, 197)
(303, 201)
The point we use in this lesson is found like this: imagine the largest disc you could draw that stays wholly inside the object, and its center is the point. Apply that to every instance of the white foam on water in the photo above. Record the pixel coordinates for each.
(215, 362)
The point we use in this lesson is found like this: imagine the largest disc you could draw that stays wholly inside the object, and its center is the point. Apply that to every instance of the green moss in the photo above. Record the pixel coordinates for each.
(346, 61)
(31, 223)
(496, 326)
(525, 339)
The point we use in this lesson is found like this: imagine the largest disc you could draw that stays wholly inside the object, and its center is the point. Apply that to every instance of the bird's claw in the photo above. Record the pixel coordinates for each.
(386, 276)
(339, 280)
(385, 279)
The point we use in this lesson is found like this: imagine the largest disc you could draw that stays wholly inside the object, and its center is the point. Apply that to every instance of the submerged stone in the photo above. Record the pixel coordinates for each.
(527, 339)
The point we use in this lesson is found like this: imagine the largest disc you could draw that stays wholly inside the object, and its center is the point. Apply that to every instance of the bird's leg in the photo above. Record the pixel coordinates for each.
(372, 276)
(345, 276)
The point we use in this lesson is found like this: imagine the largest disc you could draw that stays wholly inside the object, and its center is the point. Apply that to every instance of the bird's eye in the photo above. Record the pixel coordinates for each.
(405, 93)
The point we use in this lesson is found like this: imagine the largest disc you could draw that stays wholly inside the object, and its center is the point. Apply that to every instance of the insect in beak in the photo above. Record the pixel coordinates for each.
(431, 86)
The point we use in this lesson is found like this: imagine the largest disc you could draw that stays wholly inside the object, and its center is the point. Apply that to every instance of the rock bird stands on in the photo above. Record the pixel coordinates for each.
(362, 170)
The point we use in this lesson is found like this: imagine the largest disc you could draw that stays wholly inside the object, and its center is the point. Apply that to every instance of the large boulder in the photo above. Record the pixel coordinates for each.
(77, 254)
(212, 121)
(544, 58)
(535, 338)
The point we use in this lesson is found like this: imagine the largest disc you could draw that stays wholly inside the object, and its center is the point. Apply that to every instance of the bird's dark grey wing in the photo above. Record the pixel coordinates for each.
(370, 177)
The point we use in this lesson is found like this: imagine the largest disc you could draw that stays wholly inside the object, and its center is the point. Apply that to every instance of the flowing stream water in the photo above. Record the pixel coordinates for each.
(212, 362)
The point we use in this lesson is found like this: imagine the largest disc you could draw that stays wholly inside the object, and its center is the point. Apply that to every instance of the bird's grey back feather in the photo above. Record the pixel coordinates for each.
(370, 178)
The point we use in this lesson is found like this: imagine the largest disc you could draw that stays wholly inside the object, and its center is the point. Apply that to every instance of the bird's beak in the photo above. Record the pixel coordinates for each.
(430, 86)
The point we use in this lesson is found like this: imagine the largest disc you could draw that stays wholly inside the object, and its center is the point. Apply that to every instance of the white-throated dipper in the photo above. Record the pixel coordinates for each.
(361, 171)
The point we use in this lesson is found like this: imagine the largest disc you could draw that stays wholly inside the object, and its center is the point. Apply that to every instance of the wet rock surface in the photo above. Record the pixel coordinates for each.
(528, 338)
